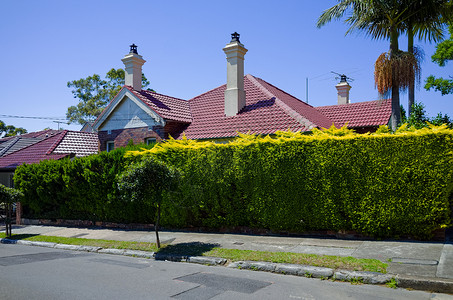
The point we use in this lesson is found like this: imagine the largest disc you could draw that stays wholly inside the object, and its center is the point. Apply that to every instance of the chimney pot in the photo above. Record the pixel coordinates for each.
(133, 49)
(234, 93)
(343, 91)
(133, 63)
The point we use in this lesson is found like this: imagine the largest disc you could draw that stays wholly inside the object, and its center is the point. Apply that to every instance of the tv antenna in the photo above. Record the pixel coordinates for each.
(342, 77)
(59, 122)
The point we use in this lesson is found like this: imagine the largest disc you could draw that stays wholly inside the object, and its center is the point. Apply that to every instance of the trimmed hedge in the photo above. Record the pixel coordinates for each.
(379, 185)
(82, 188)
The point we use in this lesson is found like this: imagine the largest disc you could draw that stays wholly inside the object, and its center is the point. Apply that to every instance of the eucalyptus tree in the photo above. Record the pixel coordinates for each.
(395, 70)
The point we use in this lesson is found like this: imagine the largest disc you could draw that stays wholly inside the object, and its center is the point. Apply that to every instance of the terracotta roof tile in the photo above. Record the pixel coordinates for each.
(165, 106)
(360, 114)
(56, 146)
(31, 154)
(78, 142)
(267, 110)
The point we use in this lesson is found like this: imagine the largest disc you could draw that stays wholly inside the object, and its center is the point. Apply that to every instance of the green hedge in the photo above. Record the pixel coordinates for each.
(81, 188)
(379, 185)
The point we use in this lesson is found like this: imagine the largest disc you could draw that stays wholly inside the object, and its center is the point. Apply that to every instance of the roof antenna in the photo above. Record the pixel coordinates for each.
(342, 77)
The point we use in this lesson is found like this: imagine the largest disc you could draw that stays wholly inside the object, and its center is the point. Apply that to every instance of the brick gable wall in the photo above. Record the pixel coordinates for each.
(121, 137)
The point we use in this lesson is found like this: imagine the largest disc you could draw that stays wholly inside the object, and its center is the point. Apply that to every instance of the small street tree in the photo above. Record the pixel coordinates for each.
(150, 182)
(7, 197)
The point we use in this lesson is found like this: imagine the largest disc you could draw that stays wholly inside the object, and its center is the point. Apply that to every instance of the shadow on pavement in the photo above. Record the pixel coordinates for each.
(21, 236)
(188, 249)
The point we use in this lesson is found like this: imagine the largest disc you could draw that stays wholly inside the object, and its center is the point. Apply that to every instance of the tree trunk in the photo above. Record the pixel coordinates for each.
(156, 227)
(410, 49)
(395, 118)
(8, 230)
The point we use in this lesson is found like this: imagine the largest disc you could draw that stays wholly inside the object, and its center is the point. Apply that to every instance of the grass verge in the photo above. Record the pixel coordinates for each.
(203, 249)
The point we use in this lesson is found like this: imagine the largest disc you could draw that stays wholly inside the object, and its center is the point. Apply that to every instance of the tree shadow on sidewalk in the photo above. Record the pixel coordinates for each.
(21, 236)
(187, 249)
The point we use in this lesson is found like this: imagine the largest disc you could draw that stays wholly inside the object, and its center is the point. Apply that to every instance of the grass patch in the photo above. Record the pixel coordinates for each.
(328, 261)
(86, 242)
(204, 249)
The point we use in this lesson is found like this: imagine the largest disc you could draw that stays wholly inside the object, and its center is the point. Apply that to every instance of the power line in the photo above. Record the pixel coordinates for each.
(30, 117)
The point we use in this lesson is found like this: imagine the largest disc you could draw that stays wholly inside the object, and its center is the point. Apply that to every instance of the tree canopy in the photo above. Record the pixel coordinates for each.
(10, 130)
(444, 53)
(94, 93)
(149, 181)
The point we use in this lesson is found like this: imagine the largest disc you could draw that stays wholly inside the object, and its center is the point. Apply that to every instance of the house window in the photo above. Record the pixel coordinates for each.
(150, 141)
(11, 180)
(110, 146)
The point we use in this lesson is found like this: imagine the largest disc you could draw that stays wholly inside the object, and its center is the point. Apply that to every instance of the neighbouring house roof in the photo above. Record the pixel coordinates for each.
(55, 146)
(360, 114)
(267, 110)
(77, 142)
(14, 143)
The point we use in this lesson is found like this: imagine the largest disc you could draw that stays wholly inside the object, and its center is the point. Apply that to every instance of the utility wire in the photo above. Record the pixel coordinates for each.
(29, 117)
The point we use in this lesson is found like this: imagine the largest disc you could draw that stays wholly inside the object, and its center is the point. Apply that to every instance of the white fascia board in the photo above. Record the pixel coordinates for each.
(118, 99)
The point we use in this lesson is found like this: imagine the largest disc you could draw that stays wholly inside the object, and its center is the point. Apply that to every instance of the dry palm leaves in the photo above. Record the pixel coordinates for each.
(404, 66)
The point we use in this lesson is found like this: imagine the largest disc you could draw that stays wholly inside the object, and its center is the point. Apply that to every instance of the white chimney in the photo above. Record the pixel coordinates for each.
(133, 68)
(234, 93)
(343, 90)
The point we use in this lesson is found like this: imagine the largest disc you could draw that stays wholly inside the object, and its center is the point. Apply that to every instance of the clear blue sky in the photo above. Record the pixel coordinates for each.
(45, 44)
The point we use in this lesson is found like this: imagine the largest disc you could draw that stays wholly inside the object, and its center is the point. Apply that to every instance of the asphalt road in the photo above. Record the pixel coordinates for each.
(42, 273)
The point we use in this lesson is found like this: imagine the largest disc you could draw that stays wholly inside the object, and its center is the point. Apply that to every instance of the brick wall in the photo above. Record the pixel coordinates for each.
(121, 137)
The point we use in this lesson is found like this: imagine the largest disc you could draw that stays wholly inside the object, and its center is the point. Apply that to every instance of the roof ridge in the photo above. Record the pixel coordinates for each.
(151, 92)
(285, 107)
(285, 92)
(57, 142)
(355, 103)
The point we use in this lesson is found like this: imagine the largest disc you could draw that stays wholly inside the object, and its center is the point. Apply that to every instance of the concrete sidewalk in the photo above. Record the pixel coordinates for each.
(425, 261)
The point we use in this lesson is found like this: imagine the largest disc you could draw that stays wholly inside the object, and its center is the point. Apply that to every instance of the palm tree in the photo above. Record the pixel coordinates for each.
(387, 19)
(428, 24)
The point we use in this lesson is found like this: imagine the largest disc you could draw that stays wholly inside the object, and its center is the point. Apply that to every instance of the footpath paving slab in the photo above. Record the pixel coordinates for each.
(445, 268)
(384, 250)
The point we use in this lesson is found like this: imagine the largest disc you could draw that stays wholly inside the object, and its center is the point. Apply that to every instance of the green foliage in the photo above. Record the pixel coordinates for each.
(10, 130)
(94, 93)
(445, 86)
(418, 119)
(444, 53)
(9, 195)
(381, 184)
(147, 181)
(82, 188)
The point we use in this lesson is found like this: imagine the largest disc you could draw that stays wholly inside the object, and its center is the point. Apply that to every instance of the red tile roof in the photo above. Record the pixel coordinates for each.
(32, 154)
(37, 134)
(297, 105)
(78, 142)
(55, 146)
(360, 114)
(165, 106)
(267, 110)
